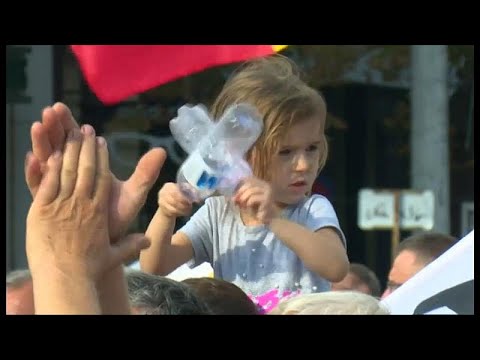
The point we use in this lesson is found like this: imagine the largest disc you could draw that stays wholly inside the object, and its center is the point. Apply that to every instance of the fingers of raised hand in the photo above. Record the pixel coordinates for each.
(50, 184)
(128, 247)
(53, 128)
(145, 174)
(71, 155)
(49, 134)
(65, 117)
(40, 142)
(33, 174)
(103, 178)
(87, 167)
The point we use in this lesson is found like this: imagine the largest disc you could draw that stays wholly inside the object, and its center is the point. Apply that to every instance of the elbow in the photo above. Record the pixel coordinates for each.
(336, 271)
(152, 269)
(341, 269)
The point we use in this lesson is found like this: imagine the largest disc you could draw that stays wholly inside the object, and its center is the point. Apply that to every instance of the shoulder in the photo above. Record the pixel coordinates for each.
(314, 206)
(318, 203)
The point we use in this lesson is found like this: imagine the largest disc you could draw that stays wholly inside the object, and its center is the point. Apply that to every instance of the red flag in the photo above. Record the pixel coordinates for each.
(116, 72)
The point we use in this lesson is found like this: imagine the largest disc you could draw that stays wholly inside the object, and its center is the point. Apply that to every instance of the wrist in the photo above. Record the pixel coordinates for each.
(112, 291)
(276, 223)
(60, 293)
(165, 214)
(64, 274)
(277, 212)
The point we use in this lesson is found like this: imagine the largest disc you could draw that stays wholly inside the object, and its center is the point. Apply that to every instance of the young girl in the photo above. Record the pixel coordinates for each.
(272, 239)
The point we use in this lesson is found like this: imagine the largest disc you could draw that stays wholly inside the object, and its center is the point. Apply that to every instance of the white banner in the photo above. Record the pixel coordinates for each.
(445, 286)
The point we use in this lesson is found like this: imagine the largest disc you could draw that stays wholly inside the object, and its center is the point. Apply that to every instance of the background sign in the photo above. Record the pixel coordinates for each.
(377, 209)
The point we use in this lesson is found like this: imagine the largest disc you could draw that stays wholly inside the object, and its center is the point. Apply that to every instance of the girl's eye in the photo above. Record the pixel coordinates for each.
(312, 148)
(285, 152)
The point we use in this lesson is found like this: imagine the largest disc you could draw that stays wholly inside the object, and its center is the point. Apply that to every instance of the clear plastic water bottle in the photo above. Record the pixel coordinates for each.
(191, 124)
(217, 162)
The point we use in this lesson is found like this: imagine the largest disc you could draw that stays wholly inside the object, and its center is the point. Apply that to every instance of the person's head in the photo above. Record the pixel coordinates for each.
(413, 254)
(331, 303)
(19, 293)
(292, 148)
(359, 278)
(222, 297)
(157, 295)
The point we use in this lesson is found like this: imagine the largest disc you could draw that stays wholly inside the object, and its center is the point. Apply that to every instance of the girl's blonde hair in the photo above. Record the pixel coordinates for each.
(331, 303)
(272, 85)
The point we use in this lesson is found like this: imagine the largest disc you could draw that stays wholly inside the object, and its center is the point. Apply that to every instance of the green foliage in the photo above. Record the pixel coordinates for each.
(326, 64)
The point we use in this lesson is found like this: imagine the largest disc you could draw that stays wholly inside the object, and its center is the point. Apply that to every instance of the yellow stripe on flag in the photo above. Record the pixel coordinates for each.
(278, 48)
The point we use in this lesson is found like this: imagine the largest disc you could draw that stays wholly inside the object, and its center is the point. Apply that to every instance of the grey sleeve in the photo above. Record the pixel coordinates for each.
(199, 230)
(320, 214)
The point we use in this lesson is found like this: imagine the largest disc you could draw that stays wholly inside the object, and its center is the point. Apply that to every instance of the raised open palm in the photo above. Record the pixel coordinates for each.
(127, 197)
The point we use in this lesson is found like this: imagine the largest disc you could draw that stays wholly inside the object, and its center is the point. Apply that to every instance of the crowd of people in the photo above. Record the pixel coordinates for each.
(274, 247)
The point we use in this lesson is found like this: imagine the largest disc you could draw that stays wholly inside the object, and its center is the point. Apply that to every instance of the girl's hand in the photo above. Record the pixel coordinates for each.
(172, 202)
(256, 196)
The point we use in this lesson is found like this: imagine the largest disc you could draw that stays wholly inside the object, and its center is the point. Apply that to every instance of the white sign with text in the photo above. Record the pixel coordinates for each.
(417, 210)
(376, 209)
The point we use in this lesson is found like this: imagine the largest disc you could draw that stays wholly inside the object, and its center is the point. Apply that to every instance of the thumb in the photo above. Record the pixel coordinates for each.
(129, 247)
(146, 173)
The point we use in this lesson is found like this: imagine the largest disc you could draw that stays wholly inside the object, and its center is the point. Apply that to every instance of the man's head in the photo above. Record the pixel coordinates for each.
(222, 297)
(19, 293)
(359, 278)
(413, 254)
(157, 295)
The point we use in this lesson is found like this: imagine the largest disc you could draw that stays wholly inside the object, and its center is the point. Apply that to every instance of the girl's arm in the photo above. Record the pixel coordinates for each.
(166, 252)
(321, 251)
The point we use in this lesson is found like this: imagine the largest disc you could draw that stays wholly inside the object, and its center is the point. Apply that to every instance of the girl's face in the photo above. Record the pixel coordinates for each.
(295, 165)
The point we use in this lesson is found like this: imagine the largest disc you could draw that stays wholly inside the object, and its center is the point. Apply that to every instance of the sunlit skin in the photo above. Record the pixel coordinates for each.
(19, 300)
(405, 265)
(294, 166)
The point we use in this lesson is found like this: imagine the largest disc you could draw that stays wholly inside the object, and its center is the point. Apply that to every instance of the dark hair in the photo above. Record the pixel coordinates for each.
(367, 276)
(222, 297)
(427, 246)
(158, 295)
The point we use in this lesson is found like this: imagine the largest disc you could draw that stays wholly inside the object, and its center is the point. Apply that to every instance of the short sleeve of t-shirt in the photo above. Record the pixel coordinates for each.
(318, 213)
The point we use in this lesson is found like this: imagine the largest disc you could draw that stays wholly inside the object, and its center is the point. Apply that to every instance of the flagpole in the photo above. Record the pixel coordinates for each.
(395, 237)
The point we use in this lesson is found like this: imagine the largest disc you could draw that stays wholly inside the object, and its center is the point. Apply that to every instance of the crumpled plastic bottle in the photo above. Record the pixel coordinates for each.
(217, 149)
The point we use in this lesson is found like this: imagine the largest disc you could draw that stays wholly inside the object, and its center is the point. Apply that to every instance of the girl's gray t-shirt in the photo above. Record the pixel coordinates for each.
(252, 257)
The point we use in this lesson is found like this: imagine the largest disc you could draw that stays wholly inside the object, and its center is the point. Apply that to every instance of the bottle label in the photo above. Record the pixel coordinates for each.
(199, 174)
